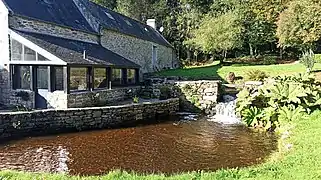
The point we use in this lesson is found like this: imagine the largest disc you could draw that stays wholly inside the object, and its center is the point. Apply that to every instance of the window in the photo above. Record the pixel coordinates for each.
(131, 76)
(116, 76)
(16, 50)
(42, 77)
(154, 56)
(21, 77)
(78, 79)
(41, 58)
(59, 79)
(100, 78)
(29, 54)
(20, 52)
(109, 16)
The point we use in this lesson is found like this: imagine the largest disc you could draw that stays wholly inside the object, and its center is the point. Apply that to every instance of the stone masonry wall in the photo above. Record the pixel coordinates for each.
(194, 96)
(139, 51)
(19, 124)
(29, 25)
(89, 99)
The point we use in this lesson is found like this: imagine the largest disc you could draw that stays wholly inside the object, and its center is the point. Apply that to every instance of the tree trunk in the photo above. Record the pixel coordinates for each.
(251, 50)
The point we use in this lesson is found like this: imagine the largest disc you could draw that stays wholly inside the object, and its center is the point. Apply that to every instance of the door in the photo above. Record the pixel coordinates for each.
(42, 87)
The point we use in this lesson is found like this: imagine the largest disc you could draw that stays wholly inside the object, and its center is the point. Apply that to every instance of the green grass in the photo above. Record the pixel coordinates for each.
(216, 71)
(302, 161)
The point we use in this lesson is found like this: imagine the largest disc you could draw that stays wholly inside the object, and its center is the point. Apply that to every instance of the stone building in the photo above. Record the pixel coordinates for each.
(52, 50)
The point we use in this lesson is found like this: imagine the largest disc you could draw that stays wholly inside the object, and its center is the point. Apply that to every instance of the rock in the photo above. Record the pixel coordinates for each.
(253, 83)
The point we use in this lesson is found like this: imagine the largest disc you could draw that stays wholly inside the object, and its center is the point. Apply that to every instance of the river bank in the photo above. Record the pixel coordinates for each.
(298, 157)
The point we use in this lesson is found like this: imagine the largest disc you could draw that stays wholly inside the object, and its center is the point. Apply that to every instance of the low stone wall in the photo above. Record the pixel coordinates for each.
(96, 98)
(19, 124)
(195, 96)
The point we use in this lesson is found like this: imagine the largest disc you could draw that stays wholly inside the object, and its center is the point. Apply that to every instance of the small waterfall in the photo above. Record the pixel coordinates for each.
(225, 111)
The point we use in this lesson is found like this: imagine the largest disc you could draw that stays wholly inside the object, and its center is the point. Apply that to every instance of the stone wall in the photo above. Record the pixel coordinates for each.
(19, 124)
(139, 51)
(30, 25)
(95, 98)
(195, 96)
(4, 54)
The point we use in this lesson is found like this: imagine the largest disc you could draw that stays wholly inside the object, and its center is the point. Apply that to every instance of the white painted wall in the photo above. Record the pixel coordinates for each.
(4, 41)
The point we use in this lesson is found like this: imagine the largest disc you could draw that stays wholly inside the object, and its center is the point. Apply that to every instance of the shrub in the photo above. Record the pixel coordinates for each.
(279, 100)
(135, 99)
(307, 59)
(256, 75)
(268, 60)
(317, 58)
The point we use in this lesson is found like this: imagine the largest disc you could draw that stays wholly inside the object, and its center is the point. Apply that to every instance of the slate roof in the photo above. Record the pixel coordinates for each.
(66, 13)
(124, 24)
(62, 12)
(71, 51)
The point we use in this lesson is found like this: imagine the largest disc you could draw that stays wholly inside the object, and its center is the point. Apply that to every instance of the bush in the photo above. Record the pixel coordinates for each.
(256, 75)
(268, 60)
(307, 60)
(279, 100)
(317, 58)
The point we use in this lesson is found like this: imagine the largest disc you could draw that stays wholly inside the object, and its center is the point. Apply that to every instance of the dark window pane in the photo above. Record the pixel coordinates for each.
(131, 76)
(100, 78)
(42, 58)
(30, 55)
(42, 77)
(59, 77)
(21, 77)
(78, 79)
(16, 50)
(116, 76)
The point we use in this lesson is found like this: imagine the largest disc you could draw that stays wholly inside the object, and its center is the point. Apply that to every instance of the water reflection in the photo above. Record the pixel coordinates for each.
(166, 147)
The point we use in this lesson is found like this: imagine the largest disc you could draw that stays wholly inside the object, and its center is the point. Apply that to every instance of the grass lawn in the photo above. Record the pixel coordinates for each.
(216, 71)
(302, 161)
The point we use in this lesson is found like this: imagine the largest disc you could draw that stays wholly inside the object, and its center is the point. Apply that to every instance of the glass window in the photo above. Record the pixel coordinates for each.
(59, 77)
(78, 79)
(100, 78)
(21, 77)
(41, 57)
(131, 76)
(29, 54)
(116, 76)
(16, 50)
(42, 77)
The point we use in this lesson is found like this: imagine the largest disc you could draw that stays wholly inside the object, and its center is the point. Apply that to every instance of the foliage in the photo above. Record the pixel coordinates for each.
(111, 4)
(256, 75)
(279, 100)
(298, 25)
(135, 99)
(307, 60)
(218, 34)
(317, 58)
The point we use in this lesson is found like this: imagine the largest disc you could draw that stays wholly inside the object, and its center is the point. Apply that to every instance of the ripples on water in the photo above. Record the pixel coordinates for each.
(179, 145)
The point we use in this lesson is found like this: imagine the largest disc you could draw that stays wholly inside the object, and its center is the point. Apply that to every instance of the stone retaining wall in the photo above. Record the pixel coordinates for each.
(96, 98)
(19, 124)
(194, 96)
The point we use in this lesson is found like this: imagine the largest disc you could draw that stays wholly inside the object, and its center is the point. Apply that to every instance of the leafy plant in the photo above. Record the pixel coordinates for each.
(307, 60)
(281, 99)
(256, 75)
(135, 99)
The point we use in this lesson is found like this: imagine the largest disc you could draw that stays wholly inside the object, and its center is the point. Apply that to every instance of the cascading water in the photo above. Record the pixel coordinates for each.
(225, 111)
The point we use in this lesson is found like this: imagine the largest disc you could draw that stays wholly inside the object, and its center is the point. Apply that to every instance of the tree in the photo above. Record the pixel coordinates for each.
(218, 34)
(111, 4)
(299, 26)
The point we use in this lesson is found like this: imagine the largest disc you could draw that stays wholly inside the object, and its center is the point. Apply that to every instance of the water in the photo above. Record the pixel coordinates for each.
(225, 111)
(178, 145)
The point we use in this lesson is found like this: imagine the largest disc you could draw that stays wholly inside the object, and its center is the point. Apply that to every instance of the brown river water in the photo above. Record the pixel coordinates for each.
(168, 147)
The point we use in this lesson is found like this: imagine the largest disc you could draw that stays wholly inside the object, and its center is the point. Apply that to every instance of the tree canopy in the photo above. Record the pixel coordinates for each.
(211, 27)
